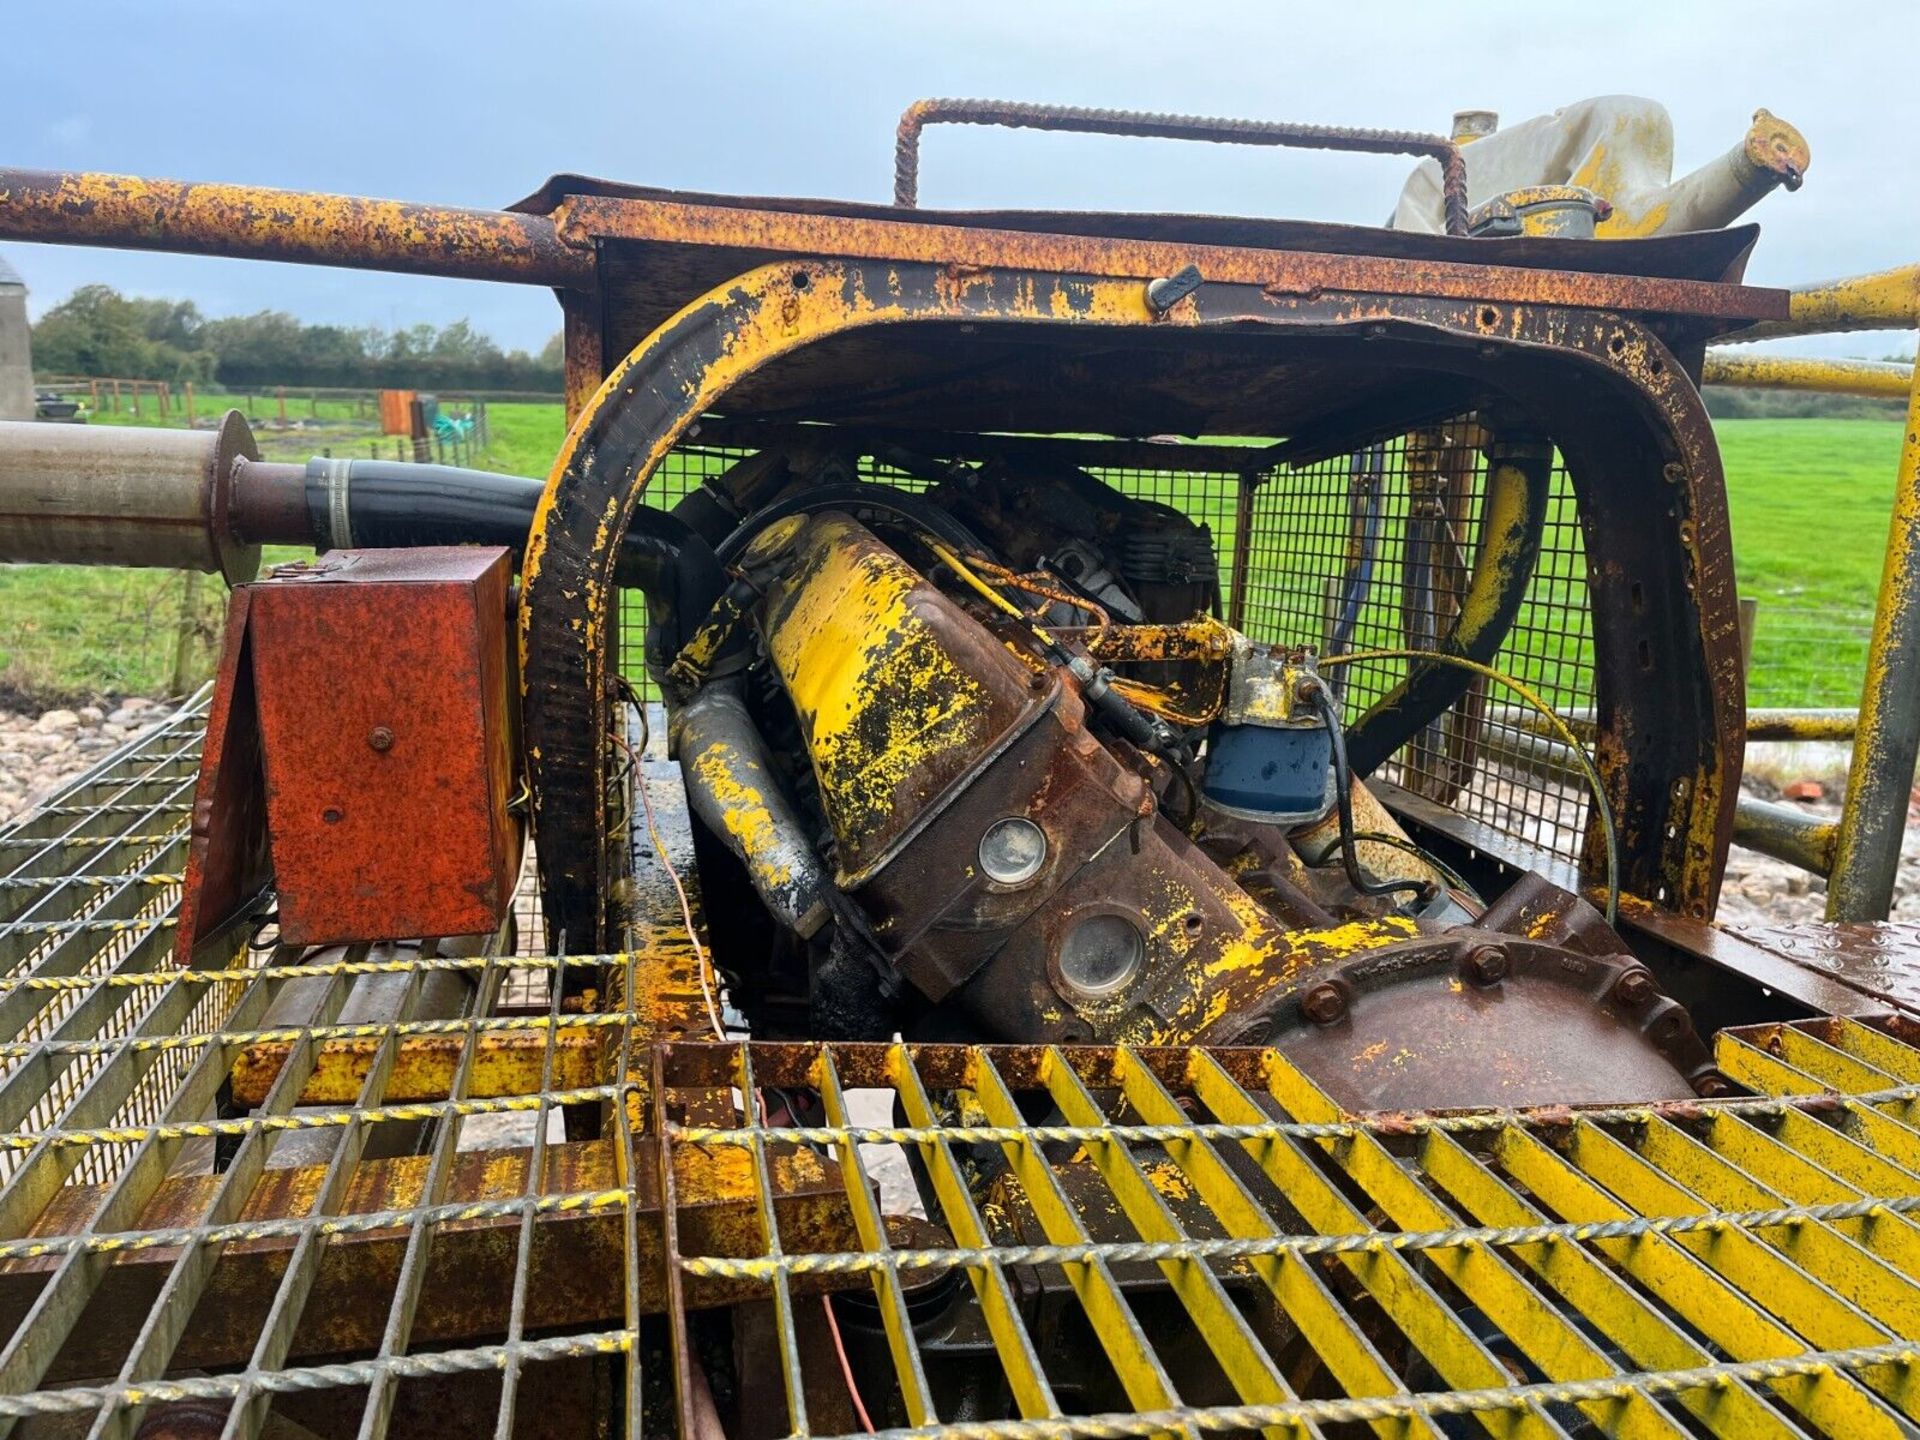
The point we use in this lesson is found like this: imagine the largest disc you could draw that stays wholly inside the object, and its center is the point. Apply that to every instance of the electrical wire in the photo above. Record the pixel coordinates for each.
(1562, 730)
(1343, 800)
(758, 1103)
(639, 783)
(846, 1365)
(1453, 877)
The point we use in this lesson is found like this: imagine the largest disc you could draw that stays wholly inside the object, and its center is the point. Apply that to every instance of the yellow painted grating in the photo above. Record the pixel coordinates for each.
(1182, 1241)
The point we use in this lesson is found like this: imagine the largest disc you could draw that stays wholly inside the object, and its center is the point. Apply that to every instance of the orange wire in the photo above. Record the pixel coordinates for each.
(826, 1301)
(846, 1366)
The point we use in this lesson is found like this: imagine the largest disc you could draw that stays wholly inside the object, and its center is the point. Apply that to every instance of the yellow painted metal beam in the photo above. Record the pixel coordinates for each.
(1873, 820)
(1884, 300)
(506, 1062)
(1873, 379)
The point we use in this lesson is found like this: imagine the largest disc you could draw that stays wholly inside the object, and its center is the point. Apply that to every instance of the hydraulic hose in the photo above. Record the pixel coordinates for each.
(384, 503)
(854, 497)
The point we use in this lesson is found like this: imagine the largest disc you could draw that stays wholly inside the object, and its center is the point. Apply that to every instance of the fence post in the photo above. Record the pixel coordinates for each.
(93, 394)
(185, 630)
(189, 397)
(313, 403)
(1749, 617)
(280, 396)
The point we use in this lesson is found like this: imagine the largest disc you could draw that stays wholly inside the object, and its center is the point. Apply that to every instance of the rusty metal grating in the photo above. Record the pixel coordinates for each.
(1191, 1241)
(350, 1225)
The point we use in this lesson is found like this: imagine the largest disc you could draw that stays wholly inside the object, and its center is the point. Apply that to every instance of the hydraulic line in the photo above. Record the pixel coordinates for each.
(1343, 783)
(1561, 729)
(854, 497)
(381, 503)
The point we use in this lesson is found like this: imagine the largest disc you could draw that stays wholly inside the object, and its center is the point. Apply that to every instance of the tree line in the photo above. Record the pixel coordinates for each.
(98, 331)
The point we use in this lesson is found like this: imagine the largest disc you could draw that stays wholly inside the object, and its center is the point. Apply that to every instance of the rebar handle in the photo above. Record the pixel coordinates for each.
(922, 113)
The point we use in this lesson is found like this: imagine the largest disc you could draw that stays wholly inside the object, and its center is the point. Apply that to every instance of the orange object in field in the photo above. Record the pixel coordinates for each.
(395, 411)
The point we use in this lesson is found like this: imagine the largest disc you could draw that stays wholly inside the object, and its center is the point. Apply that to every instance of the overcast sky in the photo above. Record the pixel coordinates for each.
(475, 103)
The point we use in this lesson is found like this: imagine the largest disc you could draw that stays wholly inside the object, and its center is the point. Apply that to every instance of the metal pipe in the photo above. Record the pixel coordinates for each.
(1880, 779)
(732, 788)
(385, 503)
(1884, 300)
(251, 222)
(1871, 379)
(1795, 725)
(81, 495)
(204, 500)
(1785, 833)
(1773, 724)
(1513, 511)
(1087, 121)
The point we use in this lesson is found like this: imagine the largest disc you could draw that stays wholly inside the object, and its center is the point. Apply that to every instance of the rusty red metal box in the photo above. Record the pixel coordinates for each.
(383, 687)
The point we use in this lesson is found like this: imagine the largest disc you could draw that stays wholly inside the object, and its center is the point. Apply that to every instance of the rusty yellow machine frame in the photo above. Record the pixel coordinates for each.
(562, 1208)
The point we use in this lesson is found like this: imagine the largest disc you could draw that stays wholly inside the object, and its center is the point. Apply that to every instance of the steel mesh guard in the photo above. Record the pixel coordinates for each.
(1490, 760)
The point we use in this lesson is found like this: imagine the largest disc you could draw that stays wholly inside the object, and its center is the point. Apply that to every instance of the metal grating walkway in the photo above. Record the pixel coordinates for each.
(351, 1226)
(1745, 1267)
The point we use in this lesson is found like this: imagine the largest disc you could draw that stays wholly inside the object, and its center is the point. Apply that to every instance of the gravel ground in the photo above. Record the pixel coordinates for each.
(41, 752)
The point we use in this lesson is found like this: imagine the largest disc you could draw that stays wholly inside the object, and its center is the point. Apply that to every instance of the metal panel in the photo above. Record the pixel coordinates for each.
(385, 706)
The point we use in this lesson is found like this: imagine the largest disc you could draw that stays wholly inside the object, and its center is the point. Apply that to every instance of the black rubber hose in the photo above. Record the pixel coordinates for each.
(382, 503)
(1343, 785)
(853, 497)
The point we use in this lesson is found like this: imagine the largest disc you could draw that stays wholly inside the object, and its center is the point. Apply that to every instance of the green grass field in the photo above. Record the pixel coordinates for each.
(1809, 501)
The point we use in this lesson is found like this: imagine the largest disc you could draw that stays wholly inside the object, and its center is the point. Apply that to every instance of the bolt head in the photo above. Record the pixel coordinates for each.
(1712, 1085)
(1635, 988)
(380, 738)
(1488, 964)
(1324, 1004)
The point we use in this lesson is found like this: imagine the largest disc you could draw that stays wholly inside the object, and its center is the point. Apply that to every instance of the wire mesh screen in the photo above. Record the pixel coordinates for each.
(1212, 498)
(1372, 551)
(1406, 515)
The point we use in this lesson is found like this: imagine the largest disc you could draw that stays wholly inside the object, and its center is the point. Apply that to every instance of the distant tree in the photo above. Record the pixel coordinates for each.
(98, 331)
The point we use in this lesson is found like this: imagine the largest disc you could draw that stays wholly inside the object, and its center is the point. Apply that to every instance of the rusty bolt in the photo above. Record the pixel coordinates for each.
(380, 738)
(1712, 1085)
(1488, 965)
(1324, 1004)
(1635, 988)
